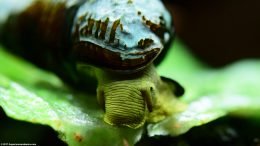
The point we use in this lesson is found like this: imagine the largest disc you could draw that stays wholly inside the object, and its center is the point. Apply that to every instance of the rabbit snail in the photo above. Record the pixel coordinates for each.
(112, 44)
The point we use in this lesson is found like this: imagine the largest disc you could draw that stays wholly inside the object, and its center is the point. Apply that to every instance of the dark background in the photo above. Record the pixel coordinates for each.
(218, 31)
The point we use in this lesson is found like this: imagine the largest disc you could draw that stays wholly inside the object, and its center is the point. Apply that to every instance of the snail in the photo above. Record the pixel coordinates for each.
(107, 46)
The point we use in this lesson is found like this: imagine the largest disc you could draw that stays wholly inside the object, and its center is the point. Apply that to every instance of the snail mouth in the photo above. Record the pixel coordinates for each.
(90, 53)
(124, 105)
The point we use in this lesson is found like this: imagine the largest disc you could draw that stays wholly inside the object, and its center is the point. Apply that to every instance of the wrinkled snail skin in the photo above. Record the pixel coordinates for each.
(108, 45)
(128, 99)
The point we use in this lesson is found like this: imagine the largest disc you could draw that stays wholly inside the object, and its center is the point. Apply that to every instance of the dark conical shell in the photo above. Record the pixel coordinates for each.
(120, 35)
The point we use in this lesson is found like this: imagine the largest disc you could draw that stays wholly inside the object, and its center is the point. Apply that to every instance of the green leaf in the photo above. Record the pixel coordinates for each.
(210, 93)
(30, 94)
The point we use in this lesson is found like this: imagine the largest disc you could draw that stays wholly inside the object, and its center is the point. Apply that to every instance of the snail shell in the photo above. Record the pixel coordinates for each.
(121, 35)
